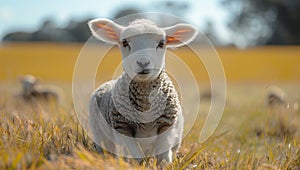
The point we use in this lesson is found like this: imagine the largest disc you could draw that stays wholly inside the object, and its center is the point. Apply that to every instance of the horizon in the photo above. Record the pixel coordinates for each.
(198, 13)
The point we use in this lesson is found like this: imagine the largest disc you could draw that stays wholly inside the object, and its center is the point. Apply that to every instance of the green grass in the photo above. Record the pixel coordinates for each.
(250, 136)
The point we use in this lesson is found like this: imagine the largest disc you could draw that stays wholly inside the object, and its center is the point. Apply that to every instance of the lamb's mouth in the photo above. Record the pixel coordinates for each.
(144, 71)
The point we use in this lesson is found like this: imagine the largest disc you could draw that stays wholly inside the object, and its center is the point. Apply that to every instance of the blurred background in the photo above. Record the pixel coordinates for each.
(226, 22)
(256, 39)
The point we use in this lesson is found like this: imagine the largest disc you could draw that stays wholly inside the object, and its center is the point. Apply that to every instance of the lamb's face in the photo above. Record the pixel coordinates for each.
(142, 44)
(28, 82)
(143, 55)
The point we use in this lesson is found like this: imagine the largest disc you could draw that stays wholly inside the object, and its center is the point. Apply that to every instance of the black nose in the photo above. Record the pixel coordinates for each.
(143, 63)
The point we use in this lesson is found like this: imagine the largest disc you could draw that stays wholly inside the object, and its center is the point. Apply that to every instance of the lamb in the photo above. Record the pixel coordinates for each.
(139, 115)
(32, 91)
(276, 97)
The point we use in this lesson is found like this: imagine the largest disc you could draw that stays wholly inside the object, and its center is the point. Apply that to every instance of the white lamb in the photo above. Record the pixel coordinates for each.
(276, 97)
(139, 114)
(32, 91)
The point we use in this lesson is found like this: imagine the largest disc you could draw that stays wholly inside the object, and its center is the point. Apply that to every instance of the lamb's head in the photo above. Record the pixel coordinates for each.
(142, 43)
(28, 82)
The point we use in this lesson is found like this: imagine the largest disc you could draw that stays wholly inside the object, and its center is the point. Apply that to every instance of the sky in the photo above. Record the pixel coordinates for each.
(21, 15)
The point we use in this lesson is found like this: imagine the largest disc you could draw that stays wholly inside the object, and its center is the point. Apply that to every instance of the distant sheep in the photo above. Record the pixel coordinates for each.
(276, 97)
(33, 91)
(142, 103)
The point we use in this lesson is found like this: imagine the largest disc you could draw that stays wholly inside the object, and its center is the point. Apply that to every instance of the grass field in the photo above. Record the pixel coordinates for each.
(56, 62)
(249, 136)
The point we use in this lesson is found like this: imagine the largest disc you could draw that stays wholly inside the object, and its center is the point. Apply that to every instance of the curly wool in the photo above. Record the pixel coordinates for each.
(135, 104)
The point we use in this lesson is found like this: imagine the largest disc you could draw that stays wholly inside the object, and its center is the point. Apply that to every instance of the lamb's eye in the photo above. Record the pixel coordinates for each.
(125, 43)
(161, 44)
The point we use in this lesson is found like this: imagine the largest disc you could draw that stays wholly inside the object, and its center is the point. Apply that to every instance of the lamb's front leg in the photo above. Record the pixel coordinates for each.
(163, 146)
(167, 156)
(126, 144)
(167, 139)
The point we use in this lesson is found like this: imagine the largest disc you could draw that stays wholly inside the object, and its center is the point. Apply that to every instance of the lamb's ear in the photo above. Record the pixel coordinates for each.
(180, 34)
(106, 30)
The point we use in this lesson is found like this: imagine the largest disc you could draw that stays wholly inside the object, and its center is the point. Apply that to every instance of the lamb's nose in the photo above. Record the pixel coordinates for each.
(143, 62)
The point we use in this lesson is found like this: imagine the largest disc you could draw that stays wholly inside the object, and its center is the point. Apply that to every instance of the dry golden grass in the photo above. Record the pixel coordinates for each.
(56, 62)
(250, 135)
